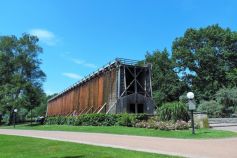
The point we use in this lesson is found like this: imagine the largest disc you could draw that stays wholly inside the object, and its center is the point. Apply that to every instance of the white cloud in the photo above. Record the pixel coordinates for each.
(84, 63)
(72, 75)
(90, 65)
(77, 61)
(49, 92)
(65, 54)
(45, 36)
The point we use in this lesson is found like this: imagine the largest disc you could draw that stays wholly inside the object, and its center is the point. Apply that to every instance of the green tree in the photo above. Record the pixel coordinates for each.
(232, 77)
(206, 59)
(166, 84)
(21, 77)
(42, 108)
(212, 108)
(227, 97)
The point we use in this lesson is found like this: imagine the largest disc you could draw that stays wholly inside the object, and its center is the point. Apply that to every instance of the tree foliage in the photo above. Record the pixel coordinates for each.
(21, 77)
(206, 59)
(42, 108)
(166, 84)
(223, 105)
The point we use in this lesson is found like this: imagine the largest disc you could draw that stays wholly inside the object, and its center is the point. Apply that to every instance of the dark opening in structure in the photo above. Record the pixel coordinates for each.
(136, 108)
(132, 108)
(140, 108)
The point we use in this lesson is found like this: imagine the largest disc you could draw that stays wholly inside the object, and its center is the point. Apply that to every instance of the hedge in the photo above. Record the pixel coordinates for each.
(98, 120)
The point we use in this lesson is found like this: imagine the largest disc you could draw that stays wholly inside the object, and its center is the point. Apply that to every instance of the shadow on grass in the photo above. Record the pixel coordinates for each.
(33, 125)
(80, 156)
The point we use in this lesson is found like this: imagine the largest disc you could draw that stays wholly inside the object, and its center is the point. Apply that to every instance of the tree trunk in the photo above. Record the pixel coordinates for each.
(0, 119)
(10, 120)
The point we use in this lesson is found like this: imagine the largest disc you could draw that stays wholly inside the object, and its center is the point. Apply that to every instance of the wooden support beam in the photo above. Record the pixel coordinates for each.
(135, 88)
(150, 79)
(101, 108)
(111, 107)
(89, 110)
(124, 78)
(142, 88)
(127, 88)
(95, 111)
(119, 79)
(83, 110)
(130, 72)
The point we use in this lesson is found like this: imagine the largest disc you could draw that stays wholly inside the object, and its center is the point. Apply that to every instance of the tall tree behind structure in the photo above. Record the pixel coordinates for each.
(166, 84)
(21, 77)
(206, 58)
(42, 108)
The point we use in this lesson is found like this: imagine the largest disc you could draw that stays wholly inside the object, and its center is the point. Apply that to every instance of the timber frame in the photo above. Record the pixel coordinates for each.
(124, 85)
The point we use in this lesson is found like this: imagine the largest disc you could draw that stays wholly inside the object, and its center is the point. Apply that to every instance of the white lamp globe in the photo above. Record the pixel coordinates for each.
(190, 95)
(15, 110)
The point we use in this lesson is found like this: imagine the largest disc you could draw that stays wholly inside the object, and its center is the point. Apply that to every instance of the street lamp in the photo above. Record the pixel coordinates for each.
(14, 115)
(191, 107)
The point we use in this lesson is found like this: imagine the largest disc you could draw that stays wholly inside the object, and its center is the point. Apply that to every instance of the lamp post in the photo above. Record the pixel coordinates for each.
(31, 107)
(191, 107)
(14, 115)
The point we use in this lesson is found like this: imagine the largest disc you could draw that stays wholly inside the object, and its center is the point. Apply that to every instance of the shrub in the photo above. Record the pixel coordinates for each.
(97, 120)
(167, 125)
(126, 120)
(181, 125)
(152, 123)
(196, 125)
(60, 120)
(139, 121)
(227, 97)
(173, 111)
(71, 120)
(5, 118)
(142, 124)
(51, 120)
(93, 120)
(141, 117)
(212, 108)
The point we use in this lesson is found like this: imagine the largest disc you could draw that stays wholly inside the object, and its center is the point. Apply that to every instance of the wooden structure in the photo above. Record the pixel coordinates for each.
(121, 86)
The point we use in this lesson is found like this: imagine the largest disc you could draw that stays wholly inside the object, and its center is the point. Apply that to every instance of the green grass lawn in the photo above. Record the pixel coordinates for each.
(25, 147)
(200, 133)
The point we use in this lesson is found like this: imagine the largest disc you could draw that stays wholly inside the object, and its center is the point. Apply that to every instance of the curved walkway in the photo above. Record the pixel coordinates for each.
(211, 148)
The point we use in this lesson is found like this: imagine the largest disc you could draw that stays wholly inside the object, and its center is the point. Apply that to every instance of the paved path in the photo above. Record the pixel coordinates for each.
(227, 128)
(212, 148)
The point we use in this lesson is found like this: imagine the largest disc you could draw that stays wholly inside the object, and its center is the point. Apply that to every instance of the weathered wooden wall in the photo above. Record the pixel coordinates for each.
(86, 97)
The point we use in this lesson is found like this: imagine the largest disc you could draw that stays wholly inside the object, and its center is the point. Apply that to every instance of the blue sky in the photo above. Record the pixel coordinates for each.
(79, 36)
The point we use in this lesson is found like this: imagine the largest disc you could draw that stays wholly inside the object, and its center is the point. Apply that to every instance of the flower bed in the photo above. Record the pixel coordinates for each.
(129, 120)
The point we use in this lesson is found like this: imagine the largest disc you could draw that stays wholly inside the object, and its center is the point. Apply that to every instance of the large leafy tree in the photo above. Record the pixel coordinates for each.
(42, 108)
(165, 82)
(206, 59)
(21, 77)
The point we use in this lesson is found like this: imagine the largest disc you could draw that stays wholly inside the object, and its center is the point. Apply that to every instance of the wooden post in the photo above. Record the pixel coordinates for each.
(135, 76)
(145, 84)
(119, 76)
(124, 78)
(150, 78)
